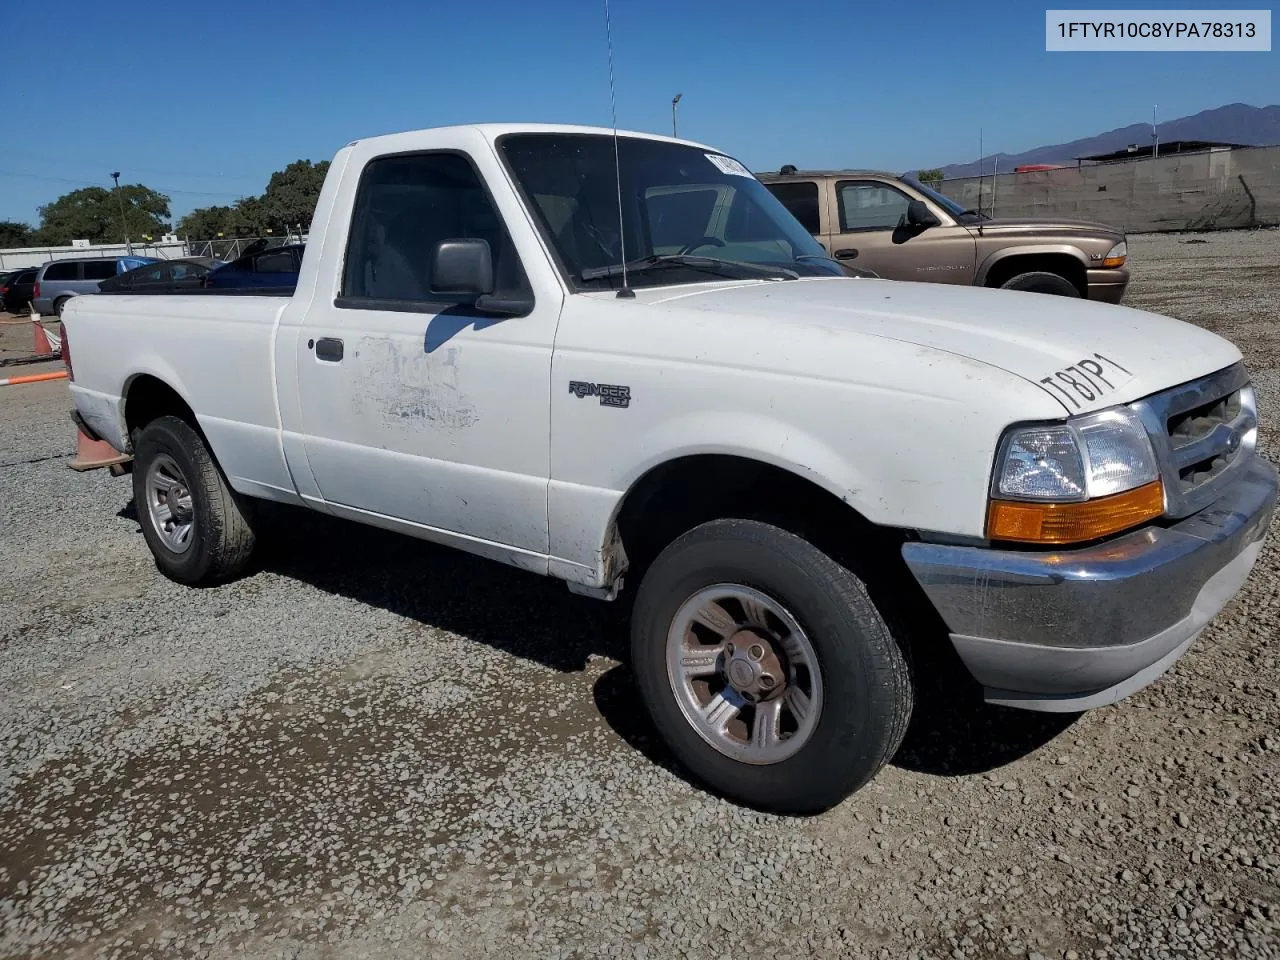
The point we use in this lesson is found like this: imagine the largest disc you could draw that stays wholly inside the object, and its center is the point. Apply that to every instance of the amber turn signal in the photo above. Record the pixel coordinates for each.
(1113, 262)
(1055, 523)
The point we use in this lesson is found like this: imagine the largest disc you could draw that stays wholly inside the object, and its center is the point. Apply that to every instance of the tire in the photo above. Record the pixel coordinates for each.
(169, 453)
(862, 687)
(1042, 282)
(58, 305)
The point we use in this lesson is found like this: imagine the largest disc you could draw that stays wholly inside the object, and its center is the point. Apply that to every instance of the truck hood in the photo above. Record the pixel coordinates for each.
(1039, 226)
(1033, 336)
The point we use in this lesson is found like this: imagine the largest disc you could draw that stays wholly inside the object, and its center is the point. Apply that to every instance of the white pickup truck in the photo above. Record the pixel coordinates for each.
(603, 359)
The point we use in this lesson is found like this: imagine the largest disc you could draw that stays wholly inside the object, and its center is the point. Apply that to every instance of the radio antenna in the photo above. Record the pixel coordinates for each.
(626, 293)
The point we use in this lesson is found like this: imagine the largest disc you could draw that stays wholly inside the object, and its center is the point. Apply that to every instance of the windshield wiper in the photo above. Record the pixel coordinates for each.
(723, 268)
(819, 256)
(974, 213)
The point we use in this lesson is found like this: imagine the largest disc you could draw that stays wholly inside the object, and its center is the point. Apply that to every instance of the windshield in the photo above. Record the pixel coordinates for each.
(945, 202)
(677, 201)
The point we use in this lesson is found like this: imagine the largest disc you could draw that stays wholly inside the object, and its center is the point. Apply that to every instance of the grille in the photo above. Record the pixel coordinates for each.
(1203, 433)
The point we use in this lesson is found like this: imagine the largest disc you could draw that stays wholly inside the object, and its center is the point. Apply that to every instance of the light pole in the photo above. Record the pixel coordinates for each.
(674, 101)
(124, 224)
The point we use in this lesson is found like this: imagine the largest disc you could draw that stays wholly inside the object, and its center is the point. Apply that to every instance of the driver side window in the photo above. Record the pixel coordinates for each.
(866, 205)
(405, 205)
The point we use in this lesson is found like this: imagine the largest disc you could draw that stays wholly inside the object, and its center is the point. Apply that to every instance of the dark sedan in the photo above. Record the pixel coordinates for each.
(276, 267)
(16, 289)
(166, 276)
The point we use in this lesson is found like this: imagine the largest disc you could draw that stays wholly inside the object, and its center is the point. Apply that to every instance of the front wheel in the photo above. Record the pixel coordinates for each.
(197, 527)
(1042, 282)
(766, 668)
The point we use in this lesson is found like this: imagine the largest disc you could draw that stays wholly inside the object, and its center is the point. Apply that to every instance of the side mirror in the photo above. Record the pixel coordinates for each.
(462, 268)
(918, 215)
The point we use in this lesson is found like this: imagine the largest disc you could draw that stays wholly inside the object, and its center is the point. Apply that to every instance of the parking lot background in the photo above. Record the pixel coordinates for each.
(372, 747)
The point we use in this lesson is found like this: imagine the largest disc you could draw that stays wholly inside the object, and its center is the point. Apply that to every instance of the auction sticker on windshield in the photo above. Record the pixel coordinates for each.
(728, 165)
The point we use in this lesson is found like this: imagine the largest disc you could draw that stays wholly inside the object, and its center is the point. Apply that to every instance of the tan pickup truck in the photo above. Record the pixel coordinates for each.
(901, 229)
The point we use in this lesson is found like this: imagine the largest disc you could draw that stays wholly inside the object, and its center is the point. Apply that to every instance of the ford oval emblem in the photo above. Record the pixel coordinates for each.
(1233, 441)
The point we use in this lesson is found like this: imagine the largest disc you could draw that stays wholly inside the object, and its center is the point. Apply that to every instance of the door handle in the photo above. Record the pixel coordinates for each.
(329, 348)
(848, 253)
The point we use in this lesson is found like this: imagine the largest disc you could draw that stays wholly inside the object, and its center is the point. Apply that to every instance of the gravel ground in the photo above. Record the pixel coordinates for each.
(374, 748)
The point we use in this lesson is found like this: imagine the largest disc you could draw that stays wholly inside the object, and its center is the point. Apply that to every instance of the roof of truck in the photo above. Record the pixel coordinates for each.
(492, 131)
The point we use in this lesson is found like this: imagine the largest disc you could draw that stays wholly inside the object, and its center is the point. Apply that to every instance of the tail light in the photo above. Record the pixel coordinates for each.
(35, 291)
(65, 350)
(3, 291)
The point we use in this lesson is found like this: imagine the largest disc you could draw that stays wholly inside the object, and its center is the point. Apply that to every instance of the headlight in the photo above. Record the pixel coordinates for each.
(1117, 255)
(1080, 480)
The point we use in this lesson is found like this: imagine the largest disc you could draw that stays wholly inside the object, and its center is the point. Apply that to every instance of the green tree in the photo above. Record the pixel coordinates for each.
(94, 213)
(205, 223)
(290, 199)
(291, 195)
(14, 234)
(248, 218)
(930, 176)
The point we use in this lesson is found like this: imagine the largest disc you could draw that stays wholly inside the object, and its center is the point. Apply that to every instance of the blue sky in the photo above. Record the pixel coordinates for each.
(203, 101)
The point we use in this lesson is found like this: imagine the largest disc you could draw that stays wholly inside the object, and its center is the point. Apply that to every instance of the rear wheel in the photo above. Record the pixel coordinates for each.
(58, 305)
(766, 668)
(1042, 282)
(197, 527)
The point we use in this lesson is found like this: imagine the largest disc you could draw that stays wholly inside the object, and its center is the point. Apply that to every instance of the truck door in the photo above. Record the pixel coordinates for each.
(415, 408)
(870, 216)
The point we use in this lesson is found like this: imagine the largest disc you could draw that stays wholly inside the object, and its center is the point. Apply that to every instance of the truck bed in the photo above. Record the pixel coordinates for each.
(219, 360)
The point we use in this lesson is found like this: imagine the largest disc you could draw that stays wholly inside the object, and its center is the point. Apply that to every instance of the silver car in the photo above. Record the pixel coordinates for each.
(60, 280)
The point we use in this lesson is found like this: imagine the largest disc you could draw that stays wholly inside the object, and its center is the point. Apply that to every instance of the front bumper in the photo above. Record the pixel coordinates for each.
(1107, 286)
(1076, 629)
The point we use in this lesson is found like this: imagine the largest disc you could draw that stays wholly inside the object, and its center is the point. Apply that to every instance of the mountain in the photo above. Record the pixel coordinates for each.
(1234, 123)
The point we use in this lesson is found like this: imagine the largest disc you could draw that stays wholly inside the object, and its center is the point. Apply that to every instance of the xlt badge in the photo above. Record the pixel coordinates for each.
(610, 394)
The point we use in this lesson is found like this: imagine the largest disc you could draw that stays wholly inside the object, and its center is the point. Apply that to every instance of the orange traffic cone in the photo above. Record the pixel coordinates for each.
(92, 454)
(43, 346)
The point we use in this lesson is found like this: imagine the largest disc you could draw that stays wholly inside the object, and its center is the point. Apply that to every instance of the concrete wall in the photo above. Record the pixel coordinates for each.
(1212, 190)
(34, 256)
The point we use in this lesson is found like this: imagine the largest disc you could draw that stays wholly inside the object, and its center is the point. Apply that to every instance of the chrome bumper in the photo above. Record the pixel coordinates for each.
(1076, 629)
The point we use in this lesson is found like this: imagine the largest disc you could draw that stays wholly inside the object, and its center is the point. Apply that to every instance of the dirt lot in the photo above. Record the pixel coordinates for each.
(374, 748)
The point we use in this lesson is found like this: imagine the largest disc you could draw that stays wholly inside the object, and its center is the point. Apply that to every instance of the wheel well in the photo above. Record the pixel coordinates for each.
(677, 496)
(150, 397)
(1063, 264)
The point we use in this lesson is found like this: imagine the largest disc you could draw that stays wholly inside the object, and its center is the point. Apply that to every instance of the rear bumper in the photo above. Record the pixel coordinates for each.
(43, 305)
(1077, 629)
(1107, 286)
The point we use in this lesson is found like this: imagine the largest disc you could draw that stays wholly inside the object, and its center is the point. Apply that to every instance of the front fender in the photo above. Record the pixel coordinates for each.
(752, 437)
(582, 518)
(1034, 249)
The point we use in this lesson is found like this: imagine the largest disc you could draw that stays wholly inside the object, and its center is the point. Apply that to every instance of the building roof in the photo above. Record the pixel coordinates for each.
(1138, 151)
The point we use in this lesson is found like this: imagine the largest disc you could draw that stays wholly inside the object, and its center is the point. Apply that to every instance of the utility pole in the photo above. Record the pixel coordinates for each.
(124, 224)
(674, 101)
(1155, 134)
(995, 182)
(979, 168)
